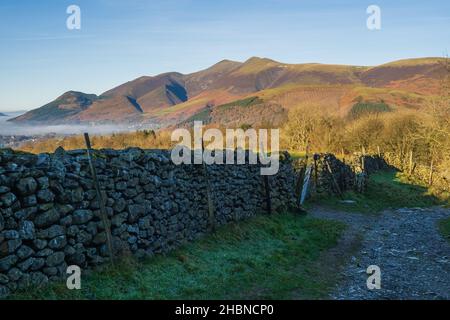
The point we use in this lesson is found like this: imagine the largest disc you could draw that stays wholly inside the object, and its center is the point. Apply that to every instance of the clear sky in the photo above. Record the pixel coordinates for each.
(120, 40)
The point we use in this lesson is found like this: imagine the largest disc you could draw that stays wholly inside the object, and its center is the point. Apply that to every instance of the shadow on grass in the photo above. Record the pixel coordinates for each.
(264, 257)
(386, 190)
(444, 228)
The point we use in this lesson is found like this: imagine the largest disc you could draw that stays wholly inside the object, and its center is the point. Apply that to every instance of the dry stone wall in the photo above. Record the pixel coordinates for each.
(50, 215)
(331, 175)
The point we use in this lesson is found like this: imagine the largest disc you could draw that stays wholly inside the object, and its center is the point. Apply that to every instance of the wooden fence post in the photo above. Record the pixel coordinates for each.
(266, 181)
(211, 212)
(268, 200)
(336, 185)
(100, 199)
(316, 174)
(307, 152)
(363, 163)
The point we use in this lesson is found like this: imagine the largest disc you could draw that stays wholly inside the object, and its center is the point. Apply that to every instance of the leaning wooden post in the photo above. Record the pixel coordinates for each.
(266, 181)
(316, 174)
(100, 199)
(211, 213)
(333, 179)
(363, 163)
(307, 152)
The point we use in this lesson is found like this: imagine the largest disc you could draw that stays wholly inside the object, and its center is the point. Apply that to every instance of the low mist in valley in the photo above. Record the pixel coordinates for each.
(8, 128)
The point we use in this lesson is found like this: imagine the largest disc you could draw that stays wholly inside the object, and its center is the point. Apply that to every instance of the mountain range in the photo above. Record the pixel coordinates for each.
(251, 92)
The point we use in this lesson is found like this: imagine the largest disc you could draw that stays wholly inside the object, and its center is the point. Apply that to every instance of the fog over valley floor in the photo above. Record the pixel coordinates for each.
(13, 135)
(10, 128)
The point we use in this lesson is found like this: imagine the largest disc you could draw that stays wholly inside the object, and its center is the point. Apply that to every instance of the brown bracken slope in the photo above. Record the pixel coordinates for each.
(222, 93)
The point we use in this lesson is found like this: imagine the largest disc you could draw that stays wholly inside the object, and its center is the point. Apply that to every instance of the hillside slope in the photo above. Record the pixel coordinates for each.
(173, 97)
(62, 108)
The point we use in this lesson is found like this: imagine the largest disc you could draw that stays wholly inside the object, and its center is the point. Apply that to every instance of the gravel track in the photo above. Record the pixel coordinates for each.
(405, 243)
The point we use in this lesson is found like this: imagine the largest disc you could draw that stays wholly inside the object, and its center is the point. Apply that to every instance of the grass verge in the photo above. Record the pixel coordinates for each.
(265, 257)
(386, 189)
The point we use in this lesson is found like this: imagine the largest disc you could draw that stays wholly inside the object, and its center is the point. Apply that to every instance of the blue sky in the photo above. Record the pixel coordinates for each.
(121, 40)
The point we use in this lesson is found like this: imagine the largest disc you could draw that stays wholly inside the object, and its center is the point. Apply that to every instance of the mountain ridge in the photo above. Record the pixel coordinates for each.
(173, 97)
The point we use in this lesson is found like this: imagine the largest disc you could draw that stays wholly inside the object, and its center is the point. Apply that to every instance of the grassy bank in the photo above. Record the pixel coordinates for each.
(266, 257)
(386, 190)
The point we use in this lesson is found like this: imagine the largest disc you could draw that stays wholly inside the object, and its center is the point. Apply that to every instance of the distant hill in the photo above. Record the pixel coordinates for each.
(62, 108)
(175, 98)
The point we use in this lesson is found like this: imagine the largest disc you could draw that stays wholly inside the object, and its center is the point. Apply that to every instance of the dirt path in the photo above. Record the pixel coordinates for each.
(413, 257)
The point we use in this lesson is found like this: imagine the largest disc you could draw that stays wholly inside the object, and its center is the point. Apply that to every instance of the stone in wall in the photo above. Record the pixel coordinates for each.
(50, 215)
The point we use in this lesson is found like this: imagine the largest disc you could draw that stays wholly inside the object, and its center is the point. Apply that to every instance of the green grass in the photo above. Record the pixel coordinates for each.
(363, 108)
(248, 102)
(265, 257)
(385, 190)
(444, 228)
(181, 106)
(203, 115)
